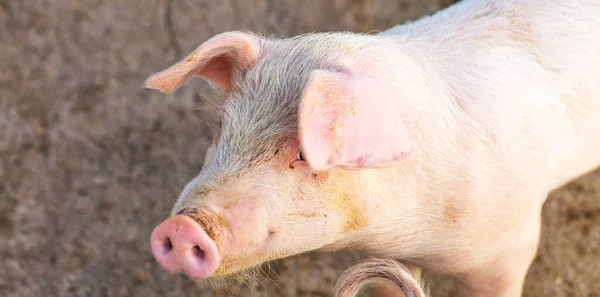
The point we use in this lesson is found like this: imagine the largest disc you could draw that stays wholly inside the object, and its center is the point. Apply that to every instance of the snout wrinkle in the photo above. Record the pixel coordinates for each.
(212, 223)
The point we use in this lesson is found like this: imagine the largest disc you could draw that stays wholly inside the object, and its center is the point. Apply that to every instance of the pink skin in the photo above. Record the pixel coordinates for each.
(489, 111)
(334, 110)
(180, 244)
(256, 222)
(211, 60)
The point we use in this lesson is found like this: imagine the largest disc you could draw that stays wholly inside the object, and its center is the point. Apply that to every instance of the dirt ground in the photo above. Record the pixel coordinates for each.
(90, 162)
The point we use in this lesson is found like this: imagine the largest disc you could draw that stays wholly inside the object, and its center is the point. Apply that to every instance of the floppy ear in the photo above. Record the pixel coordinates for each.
(214, 60)
(349, 120)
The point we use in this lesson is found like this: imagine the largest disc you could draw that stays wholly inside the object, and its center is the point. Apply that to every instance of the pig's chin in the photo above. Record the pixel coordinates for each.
(247, 269)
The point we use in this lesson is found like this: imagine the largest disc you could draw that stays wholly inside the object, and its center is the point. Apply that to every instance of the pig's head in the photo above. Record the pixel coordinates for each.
(299, 119)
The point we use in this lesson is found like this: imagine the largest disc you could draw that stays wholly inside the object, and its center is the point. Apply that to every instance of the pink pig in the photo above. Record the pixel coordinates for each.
(435, 143)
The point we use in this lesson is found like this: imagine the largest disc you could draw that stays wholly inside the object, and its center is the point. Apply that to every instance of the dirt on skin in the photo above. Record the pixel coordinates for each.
(90, 162)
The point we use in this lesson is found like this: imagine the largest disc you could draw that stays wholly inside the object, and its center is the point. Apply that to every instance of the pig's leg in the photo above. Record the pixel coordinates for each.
(504, 276)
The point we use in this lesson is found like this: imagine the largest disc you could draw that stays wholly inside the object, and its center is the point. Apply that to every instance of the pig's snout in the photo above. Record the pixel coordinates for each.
(179, 244)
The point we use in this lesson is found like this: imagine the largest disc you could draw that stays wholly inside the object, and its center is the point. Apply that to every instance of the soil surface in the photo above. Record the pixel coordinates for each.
(90, 162)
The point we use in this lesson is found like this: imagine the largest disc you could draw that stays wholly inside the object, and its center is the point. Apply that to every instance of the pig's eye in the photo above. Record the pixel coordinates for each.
(300, 156)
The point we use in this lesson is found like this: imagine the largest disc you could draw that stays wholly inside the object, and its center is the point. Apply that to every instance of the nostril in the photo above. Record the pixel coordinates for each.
(198, 252)
(181, 244)
(167, 245)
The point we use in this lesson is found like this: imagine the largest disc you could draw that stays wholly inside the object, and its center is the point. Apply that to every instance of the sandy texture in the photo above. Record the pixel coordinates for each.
(90, 162)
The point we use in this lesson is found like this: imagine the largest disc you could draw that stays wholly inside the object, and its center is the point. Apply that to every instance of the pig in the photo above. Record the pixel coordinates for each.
(435, 142)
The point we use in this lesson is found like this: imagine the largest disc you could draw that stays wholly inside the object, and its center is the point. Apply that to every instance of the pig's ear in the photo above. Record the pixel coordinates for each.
(350, 120)
(214, 60)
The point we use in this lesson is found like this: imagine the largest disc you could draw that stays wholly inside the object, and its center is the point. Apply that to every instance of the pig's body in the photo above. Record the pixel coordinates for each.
(539, 65)
(489, 105)
(509, 108)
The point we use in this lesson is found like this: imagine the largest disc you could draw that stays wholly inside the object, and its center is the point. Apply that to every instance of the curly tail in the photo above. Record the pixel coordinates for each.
(374, 271)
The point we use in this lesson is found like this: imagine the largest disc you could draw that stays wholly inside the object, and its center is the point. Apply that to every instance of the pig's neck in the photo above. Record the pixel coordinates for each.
(409, 199)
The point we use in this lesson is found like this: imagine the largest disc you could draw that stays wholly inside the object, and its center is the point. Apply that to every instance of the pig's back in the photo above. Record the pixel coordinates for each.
(526, 73)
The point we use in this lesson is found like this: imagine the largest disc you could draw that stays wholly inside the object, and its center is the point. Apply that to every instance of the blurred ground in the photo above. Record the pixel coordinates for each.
(90, 162)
